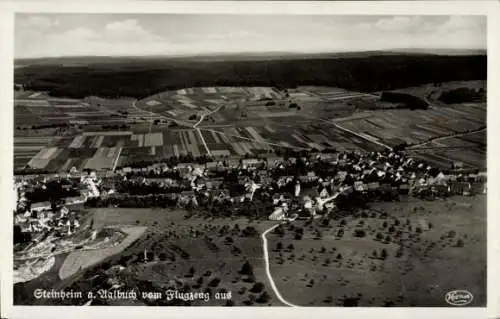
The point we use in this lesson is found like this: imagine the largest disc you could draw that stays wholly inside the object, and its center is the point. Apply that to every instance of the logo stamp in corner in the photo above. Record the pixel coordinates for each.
(459, 297)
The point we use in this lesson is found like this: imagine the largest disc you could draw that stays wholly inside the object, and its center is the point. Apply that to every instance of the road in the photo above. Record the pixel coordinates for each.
(265, 249)
(179, 122)
(195, 126)
(202, 117)
(268, 271)
(441, 138)
(367, 138)
(254, 140)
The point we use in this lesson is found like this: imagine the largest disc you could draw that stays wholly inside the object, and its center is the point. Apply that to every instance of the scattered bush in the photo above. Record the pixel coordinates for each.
(257, 287)
(359, 233)
(214, 282)
(263, 298)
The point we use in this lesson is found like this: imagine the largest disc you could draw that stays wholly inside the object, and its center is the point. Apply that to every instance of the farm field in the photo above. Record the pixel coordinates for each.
(468, 149)
(417, 126)
(425, 250)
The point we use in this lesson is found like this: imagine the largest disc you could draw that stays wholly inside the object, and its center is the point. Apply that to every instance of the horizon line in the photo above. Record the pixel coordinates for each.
(277, 52)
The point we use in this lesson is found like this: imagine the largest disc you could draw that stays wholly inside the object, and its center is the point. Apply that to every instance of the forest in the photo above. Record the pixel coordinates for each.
(142, 77)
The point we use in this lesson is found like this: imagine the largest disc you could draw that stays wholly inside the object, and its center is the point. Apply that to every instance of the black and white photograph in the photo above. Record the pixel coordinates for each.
(249, 160)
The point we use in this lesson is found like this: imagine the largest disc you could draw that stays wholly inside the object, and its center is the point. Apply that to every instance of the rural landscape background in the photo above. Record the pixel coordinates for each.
(257, 160)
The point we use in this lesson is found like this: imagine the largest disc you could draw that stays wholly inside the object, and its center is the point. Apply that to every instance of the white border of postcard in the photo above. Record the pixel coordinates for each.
(489, 8)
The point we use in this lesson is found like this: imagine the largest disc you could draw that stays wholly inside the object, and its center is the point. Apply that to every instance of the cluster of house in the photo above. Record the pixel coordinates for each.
(328, 174)
(38, 222)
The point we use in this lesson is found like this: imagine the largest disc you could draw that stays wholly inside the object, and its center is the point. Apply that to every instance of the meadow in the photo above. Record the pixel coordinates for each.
(408, 253)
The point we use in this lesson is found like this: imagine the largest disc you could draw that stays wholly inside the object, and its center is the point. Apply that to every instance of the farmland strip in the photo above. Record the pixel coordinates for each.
(176, 150)
(77, 141)
(192, 138)
(66, 165)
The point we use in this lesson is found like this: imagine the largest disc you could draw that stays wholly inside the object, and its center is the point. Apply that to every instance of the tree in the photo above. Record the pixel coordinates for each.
(290, 247)
(460, 243)
(162, 256)
(20, 237)
(214, 282)
(374, 254)
(263, 298)
(257, 287)
(199, 281)
(383, 254)
(350, 302)
(247, 269)
(359, 233)
(379, 236)
(192, 270)
(279, 246)
(339, 256)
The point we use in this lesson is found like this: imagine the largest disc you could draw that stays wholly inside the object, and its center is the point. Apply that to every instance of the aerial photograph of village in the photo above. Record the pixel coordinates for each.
(249, 160)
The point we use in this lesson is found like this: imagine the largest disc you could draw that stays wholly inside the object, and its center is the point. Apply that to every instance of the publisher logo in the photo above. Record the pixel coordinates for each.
(458, 297)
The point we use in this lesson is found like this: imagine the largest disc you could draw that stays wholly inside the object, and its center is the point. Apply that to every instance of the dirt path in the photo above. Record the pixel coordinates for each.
(268, 272)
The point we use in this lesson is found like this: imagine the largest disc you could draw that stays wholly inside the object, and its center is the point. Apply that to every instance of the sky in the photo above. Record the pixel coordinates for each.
(56, 35)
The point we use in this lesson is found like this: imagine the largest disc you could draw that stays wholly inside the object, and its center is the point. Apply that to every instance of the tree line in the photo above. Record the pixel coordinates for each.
(142, 78)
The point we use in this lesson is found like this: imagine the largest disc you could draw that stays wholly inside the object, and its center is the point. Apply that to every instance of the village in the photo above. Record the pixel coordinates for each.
(301, 186)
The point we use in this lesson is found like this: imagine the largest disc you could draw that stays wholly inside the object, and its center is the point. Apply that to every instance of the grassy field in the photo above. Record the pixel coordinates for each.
(182, 250)
(78, 260)
(420, 265)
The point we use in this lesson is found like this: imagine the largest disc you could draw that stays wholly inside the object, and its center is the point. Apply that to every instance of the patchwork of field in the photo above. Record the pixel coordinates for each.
(200, 97)
(242, 121)
(27, 149)
(256, 139)
(55, 111)
(469, 149)
(243, 103)
(417, 126)
(325, 93)
(432, 92)
(111, 149)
